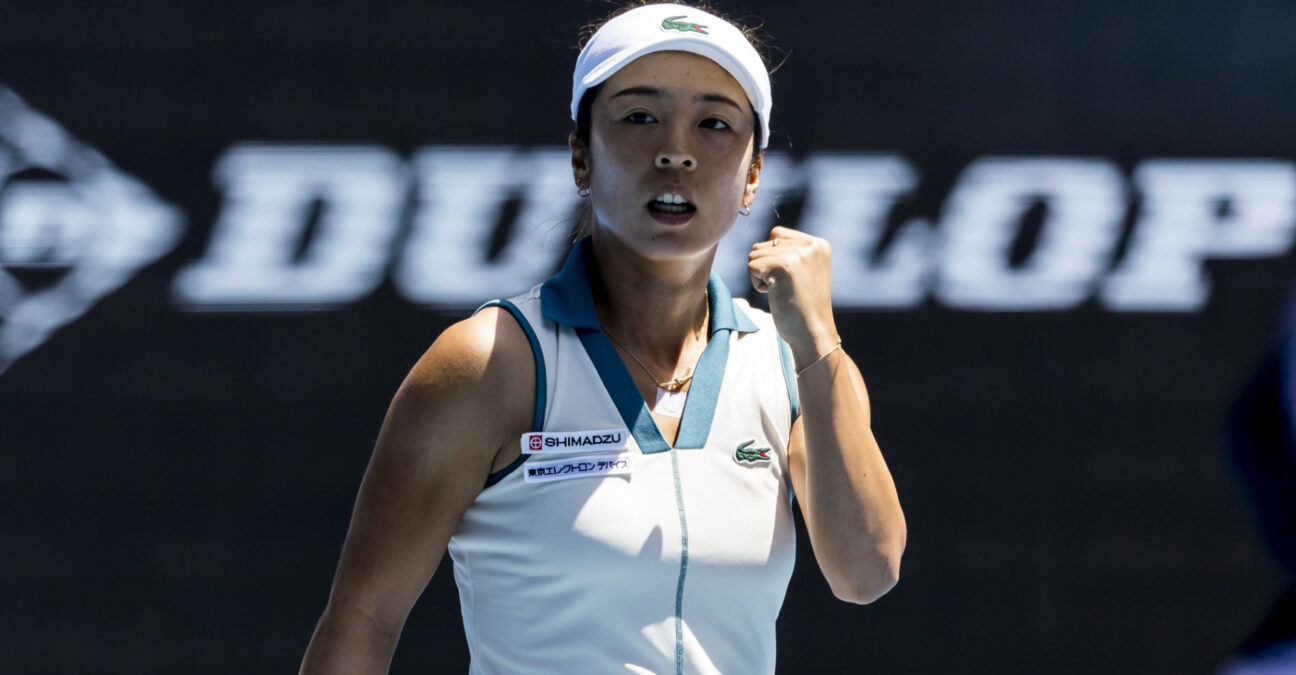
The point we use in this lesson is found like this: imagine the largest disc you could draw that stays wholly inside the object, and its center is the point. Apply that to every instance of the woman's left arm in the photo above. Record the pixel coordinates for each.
(847, 497)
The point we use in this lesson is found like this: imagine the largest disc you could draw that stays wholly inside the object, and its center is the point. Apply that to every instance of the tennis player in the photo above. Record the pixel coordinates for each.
(612, 458)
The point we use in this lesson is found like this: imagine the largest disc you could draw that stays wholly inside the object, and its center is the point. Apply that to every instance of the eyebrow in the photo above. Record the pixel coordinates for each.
(638, 91)
(657, 93)
(717, 98)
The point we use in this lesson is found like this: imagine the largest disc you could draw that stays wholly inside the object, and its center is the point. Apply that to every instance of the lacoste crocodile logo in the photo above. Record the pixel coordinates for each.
(742, 454)
(674, 23)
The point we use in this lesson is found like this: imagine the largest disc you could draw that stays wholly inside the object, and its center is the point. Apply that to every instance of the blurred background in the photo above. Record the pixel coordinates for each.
(1062, 239)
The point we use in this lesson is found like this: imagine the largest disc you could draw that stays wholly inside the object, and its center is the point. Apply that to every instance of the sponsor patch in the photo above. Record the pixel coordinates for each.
(597, 440)
(589, 466)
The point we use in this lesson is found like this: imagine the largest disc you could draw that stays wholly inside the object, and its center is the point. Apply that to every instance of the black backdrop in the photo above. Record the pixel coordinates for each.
(176, 485)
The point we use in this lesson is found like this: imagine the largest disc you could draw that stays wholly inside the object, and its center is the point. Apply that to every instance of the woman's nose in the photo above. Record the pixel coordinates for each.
(667, 159)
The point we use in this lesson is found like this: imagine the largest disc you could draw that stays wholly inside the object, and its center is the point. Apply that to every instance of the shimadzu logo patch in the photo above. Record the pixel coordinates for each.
(576, 467)
(597, 440)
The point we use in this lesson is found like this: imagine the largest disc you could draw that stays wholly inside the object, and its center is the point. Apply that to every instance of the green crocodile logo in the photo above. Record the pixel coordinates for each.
(742, 454)
(674, 23)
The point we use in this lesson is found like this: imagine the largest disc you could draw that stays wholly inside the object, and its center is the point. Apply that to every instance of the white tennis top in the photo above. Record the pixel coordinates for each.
(608, 550)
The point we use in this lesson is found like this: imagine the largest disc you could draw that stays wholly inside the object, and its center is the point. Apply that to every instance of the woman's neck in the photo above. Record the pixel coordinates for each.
(658, 309)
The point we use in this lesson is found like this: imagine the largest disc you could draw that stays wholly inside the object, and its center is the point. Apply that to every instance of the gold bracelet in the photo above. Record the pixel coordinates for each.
(812, 363)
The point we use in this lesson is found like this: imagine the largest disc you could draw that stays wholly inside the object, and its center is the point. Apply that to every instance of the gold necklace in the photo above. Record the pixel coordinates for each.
(672, 385)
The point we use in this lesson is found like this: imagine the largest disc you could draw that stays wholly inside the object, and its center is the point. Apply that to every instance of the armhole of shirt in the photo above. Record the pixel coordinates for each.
(789, 378)
(794, 399)
(537, 423)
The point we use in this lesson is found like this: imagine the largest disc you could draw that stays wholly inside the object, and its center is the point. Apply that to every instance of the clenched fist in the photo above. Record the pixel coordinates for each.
(795, 269)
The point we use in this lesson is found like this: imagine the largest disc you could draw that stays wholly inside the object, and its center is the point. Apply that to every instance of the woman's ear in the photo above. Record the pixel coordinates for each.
(753, 180)
(579, 159)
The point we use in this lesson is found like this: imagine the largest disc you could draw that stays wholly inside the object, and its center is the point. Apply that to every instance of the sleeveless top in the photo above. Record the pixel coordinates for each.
(608, 550)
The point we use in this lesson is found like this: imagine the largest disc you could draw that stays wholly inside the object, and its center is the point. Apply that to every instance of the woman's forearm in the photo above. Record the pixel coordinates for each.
(348, 641)
(848, 498)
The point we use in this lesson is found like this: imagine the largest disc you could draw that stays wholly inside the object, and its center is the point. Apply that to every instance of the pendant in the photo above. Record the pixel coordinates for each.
(677, 383)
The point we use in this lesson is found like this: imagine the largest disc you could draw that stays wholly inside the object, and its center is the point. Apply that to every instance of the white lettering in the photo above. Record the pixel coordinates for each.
(1194, 210)
(464, 246)
(269, 192)
(564, 441)
(848, 201)
(460, 194)
(1084, 201)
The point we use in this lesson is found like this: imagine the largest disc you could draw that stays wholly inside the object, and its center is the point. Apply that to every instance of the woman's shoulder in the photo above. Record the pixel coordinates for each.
(483, 362)
(474, 351)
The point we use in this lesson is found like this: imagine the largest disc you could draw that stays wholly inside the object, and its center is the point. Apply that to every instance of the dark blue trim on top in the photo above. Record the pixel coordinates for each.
(699, 408)
(503, 473)
(621, 387)
(537, 422)
(789, 377)
(725, 315)
(794, 402)
(566, 299)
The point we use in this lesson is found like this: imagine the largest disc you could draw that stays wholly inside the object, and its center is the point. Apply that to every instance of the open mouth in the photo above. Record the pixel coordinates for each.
(672, 204)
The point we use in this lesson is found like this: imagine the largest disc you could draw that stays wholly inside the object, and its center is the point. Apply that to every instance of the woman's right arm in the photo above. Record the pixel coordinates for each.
(461, 404)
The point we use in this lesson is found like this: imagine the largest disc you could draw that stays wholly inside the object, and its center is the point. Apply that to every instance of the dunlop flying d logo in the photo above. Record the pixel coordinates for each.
(745, 454)
(676, 23)
(73, 228)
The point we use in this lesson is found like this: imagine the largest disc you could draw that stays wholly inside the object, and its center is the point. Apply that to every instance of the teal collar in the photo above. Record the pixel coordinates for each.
(566, 298)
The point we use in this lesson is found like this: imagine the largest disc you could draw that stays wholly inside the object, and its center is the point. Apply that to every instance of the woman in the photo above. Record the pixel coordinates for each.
(631, 511)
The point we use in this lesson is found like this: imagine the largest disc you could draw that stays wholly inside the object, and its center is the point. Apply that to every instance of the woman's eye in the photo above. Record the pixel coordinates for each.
(713, 123)
(640, 118)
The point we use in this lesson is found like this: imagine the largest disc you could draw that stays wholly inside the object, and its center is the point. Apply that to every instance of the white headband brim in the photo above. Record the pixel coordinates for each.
(644, 30)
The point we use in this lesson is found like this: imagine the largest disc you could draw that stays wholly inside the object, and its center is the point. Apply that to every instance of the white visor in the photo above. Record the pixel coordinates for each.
(661, 28)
